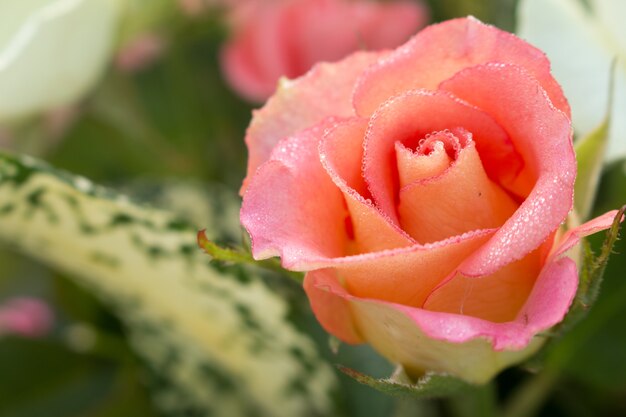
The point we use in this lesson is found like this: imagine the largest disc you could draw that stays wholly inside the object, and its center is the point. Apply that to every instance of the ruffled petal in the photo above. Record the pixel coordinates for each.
(459, 200)
(542, 135)
(406, 275)
(440, 51)
(497, 297)
(325, 91)
(419, 340)
(415, 114)
(341, 152)
(415, 166)
(292, 208)
(439, 341)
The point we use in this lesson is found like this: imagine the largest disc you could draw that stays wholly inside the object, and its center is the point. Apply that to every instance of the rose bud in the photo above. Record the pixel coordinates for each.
(423, 189)
(278, 38)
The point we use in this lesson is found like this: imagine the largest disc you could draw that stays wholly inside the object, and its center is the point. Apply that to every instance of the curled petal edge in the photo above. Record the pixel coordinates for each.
(404, 334)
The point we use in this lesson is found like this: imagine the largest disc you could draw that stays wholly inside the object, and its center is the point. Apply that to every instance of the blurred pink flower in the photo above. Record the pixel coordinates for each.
(25, 316)
(278, 38)
(192, 7)
(139, 53)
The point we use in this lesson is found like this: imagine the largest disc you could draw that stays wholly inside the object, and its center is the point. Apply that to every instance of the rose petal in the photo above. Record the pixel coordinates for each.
(341, 154)
(542, 135)
(283, 216)
(573, 236)
(401, 333)
(326, 89)
(440, 51)
(497, 297)
(413, 166)
(415, 114)
(459, 200)
(407, 275)
(332, 312)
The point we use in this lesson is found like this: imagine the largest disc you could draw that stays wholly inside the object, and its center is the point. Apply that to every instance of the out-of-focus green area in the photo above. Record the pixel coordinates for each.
(176, 123)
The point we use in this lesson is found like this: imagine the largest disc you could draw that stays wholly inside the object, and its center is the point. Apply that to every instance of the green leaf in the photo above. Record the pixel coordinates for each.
(222, 254)
(431, 385)
(590, 152)
(216, 338)
(591, 275)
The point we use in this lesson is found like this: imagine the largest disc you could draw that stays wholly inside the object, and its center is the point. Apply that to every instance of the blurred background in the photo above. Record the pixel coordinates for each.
(152, 99)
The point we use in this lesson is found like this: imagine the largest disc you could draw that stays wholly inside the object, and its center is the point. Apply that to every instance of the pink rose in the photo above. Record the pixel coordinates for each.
(423, 189)
(275, 38)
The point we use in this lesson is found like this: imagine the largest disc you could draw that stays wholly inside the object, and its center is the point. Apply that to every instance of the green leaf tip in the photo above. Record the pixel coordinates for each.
(591, 275)
(431, 385)
(222, 254)
(598, 265)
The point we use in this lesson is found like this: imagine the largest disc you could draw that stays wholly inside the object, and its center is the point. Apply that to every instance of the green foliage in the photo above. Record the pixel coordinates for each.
(45, 378)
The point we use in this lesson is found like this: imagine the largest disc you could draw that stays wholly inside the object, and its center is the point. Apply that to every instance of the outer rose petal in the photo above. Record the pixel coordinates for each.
(426, 340)
(292, 208)
(326, 91)
(542, 135)
(440, 51)
(497, 297)
(331, 310)
(395, 332)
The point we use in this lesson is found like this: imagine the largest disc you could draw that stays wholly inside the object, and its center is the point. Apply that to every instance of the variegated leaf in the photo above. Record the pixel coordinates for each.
(218, 340)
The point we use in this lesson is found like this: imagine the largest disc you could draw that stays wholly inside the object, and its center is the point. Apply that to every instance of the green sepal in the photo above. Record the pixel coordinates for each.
(430, 385)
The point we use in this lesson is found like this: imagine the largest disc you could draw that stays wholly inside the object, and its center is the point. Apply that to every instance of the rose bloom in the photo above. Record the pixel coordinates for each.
(423, 189)
(275, 38)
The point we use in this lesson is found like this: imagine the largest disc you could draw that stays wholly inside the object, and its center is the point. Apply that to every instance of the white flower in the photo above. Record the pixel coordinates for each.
(582, 41)
(52, 51)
